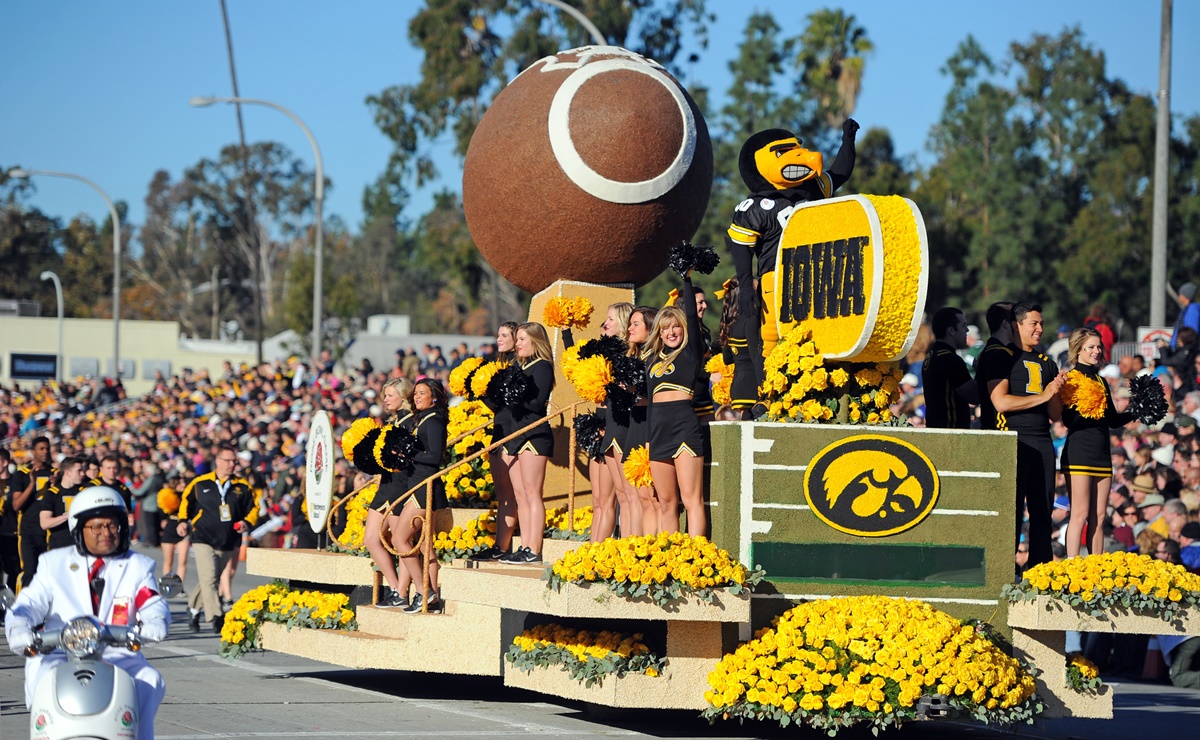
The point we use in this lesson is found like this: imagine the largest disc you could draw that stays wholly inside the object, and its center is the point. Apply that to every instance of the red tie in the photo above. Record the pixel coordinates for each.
(95, 571)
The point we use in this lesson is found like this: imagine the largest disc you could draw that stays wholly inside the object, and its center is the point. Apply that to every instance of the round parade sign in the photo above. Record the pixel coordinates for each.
(319, 471)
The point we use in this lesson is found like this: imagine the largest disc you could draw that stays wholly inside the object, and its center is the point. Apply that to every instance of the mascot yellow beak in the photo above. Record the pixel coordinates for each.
(785, 163)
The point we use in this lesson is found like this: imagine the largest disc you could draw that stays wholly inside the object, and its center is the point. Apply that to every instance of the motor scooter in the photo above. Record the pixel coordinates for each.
(86, 696)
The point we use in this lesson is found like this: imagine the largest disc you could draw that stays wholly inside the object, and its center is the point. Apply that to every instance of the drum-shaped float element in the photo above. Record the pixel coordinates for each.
(854, 270)
(589, 166)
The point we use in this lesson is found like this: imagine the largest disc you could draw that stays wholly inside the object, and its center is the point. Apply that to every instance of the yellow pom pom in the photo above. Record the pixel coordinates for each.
(352, 436)
(637, 467)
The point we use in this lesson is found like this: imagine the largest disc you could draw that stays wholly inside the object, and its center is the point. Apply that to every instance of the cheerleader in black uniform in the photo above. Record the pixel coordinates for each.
(428, 422)
(500, 463)
(674, 358)
(731, 338)
(174, 547)
(636, 434)
(532, 450)
(1086, 458)
(396, 402)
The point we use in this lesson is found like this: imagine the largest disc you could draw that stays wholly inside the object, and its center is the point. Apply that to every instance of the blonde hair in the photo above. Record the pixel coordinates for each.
(1079, 338)
(404, 387)
(536, 333)
(623, 312)
(666, 316)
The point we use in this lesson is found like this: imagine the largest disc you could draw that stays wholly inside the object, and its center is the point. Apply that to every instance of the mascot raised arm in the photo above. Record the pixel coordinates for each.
(780, 173)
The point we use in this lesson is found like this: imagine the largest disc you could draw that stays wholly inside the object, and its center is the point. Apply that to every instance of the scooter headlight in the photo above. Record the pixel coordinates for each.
(81, 637)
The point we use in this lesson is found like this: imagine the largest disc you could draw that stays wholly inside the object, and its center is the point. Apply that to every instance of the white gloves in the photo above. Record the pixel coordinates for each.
(153, 631)
(19, 638)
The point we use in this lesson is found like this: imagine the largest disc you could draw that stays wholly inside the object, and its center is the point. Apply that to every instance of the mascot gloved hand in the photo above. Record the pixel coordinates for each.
(780, 173)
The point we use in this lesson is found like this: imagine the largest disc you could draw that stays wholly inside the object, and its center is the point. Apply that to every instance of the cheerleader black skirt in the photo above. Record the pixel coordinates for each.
(391, 487)
(1086, 453)
(170, 533)
(631, 430)
(539, 440)
(674, 430)
(420, 473)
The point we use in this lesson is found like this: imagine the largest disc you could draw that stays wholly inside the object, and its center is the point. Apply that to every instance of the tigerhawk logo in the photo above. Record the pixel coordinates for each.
(871, 486)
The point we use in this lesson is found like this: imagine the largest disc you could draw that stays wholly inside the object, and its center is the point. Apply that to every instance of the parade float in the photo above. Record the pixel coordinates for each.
(854, 566)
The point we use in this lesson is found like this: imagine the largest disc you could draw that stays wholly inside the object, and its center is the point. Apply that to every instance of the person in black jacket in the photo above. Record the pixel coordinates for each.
(216, 509)
(428, 422)
(1088, 414)
(532, 449)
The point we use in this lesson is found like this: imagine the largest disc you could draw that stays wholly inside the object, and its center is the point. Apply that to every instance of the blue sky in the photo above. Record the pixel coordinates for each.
(101, 89)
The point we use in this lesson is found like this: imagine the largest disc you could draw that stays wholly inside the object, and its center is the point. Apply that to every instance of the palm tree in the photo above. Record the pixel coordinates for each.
(831, 58)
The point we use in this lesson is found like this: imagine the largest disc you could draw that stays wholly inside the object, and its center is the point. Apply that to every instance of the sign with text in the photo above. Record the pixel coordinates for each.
(24, 366)
(318, 460)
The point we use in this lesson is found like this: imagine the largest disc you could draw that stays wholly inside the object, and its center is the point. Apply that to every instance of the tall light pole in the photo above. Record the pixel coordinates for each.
(116, 219)
(1162, 143)
(48, 275)
(319, 256)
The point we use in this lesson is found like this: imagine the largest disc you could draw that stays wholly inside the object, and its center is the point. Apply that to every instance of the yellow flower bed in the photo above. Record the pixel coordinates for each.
(276, 603)
(1082, 674)
(351, 538)
(463, 542)
(567, 313)
(1085, 394)
(557, 526)
(586, 656)
(1116, 579)
(469, 485)
(721, 389)
(800, 385)
(833, 663)
(663, 568)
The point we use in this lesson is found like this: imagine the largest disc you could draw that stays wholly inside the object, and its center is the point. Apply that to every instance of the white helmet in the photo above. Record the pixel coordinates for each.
(98, 501)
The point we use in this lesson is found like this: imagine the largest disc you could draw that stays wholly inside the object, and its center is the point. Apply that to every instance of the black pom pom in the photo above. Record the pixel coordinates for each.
(399, 446)
(364, 453)
(620, 400)
(1146, 399)
(513, 386)
(631, 373)
(606, 346)
(685, 256)
(589, 434)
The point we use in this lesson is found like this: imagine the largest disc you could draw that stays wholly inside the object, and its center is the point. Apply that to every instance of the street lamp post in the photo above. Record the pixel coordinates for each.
(319, 256)
(116, 219)
(48, 275)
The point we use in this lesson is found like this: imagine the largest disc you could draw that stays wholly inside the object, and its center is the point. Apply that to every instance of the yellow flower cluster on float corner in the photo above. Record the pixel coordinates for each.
(567, 313)
(663, 568)
(586, 656)
(833, 663)
(1085, 394)
(1082, 674)
(463, 542)
(461, 374)
(469, 485)
(1096, 583)
(276, 603)
(721, 389)
(799, 385)
(557, 527)
(351, 540)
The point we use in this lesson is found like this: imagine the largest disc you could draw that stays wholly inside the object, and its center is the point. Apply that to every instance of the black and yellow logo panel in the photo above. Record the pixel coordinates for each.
(870, 485)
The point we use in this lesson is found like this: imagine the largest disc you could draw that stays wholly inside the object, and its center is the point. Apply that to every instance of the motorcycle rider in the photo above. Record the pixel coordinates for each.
(100, 577)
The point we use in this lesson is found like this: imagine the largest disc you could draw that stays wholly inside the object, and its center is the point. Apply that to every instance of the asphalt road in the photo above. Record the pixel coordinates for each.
(270, 695)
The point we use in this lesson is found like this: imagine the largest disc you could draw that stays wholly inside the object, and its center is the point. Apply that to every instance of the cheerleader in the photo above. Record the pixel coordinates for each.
(428, 421)
(396, 395)
(616, 429)
(500, 464)
(531, 451)
(637, 432)
(731, 337)
(1088, 414)
(174, 547)
(674, 357)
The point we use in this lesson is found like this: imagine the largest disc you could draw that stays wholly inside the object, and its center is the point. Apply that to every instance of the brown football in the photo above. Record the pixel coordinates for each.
(589, 166)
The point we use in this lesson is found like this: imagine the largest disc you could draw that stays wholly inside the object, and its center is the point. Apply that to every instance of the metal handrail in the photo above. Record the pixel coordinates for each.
(426, 541)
